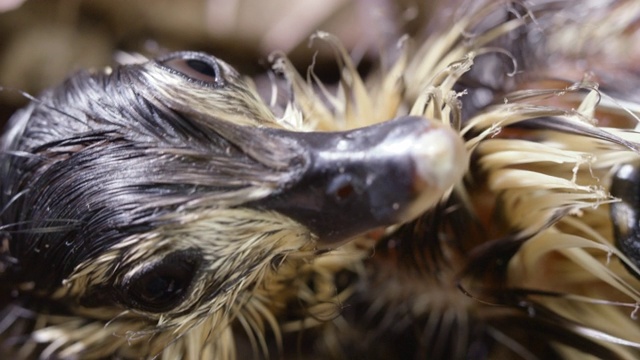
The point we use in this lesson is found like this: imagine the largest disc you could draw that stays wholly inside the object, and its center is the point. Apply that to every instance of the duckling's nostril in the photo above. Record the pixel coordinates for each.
(344, 192)
(341, 188)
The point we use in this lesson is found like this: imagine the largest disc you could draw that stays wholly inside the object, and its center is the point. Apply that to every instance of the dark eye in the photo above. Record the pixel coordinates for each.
(162, 285)
(198, 68)
(625, 215)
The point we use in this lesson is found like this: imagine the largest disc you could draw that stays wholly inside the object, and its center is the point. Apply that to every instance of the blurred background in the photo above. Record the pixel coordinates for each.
(44, 41)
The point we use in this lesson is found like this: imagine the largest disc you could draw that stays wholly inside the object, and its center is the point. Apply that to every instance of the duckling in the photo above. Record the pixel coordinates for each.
(147, 207)
(461, 202)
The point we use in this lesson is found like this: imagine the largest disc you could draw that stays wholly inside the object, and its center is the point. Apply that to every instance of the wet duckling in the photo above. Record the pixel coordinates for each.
(462, 202)
(147, 207)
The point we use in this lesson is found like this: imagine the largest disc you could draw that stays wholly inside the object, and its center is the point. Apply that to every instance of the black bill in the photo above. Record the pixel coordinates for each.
(362, 179)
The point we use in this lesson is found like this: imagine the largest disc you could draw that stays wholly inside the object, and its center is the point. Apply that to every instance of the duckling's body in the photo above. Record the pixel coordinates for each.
(162, 209)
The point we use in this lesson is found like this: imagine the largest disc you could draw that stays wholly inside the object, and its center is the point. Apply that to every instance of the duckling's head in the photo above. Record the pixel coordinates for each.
(160, 197)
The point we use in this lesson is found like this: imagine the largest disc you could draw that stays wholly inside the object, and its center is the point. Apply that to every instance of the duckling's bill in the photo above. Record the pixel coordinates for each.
(359, 180)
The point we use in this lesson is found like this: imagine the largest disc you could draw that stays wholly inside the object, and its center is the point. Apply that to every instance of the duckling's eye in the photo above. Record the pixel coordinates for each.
(625, 214)
(162, 285)
(202, 70)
